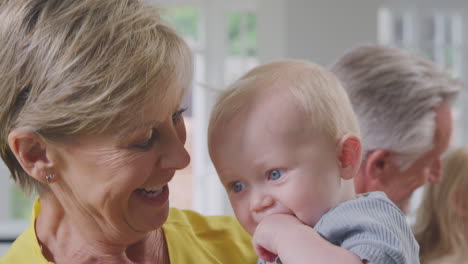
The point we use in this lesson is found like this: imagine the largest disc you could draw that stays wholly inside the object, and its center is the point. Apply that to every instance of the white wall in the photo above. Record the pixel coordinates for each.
(319, 30)
(322, 30)
(272, 24)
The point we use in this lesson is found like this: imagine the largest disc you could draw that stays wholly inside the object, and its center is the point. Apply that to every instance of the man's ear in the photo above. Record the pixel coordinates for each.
(30, 150)
(349, 155)
(379, 163)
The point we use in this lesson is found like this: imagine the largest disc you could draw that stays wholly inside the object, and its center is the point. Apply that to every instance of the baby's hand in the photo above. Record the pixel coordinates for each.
(294, 242)
(277, 232)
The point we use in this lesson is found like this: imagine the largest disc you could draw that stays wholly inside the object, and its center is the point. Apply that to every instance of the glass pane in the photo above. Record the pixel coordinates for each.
(439, 35)
(186, 20)
(20, 204)
(449, 57)
(428, 52)
(428, 30)
(399, 28)
(242, 45)
(242, 30)
(448, 25)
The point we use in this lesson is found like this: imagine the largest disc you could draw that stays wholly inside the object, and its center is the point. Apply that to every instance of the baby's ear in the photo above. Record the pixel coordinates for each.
(349, 155)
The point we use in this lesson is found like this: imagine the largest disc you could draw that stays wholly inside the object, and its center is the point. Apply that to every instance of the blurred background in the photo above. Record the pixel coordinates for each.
(228, 38)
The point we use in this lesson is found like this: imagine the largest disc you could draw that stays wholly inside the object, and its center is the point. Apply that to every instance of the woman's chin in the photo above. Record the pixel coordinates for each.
(149, 213)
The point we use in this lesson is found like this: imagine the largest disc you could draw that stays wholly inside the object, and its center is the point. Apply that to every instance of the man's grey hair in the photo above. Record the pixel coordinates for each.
(394, 94)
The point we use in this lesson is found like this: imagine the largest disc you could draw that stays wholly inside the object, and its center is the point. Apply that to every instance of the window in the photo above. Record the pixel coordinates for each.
(230, 50)
(437, 34)
(15, 205)
(223, 38)
(395, 27)
(186, 19)
(242, 45)
(441, 40)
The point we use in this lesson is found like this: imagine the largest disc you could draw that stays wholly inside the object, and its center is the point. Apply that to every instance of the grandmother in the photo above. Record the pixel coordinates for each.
(90, 120)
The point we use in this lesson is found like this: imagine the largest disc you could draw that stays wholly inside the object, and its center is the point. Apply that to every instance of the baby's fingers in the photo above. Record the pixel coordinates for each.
(265, 254)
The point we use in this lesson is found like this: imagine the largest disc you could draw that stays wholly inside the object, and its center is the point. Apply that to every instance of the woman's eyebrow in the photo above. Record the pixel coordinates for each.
(132, 130)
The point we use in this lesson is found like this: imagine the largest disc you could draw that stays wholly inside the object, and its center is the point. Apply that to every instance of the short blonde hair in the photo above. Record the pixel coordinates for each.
(72, 67)
(439, 229)
(317, 91)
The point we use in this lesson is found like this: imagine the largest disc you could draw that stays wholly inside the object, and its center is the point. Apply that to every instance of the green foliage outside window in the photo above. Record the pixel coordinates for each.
(242, 43)
(242, 28)
(20, 205)
(184, 19)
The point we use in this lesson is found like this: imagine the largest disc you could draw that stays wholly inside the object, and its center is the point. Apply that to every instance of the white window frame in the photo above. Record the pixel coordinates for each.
(413, 43)
(208, 193)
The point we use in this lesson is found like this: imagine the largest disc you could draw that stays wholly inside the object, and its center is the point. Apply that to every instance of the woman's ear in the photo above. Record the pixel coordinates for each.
(349, 155)
(31, 152)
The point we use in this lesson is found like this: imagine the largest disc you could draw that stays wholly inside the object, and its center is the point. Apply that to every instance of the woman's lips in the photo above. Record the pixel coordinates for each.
(153, 196)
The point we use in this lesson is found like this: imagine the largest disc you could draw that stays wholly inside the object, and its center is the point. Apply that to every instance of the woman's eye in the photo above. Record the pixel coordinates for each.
(237, 186)
(274, 175)
(149, 142)
(177, 116)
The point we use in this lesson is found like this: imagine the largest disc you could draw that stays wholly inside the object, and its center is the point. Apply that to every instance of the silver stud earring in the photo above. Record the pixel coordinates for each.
(49, 177)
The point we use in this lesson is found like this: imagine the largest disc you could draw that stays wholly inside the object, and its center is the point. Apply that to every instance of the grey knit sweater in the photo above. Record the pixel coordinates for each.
(372, 227)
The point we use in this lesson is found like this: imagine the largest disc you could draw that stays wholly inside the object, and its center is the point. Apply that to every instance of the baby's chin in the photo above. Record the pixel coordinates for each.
(307, 220)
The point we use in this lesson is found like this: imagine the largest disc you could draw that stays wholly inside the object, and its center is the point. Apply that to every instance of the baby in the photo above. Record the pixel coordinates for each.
(285, 143)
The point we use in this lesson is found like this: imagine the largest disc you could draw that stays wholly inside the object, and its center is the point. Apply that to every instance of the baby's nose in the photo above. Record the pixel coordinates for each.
(261, 203)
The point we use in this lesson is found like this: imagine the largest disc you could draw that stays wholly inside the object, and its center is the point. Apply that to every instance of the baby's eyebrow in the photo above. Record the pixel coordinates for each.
(227, 176)
(265, 161)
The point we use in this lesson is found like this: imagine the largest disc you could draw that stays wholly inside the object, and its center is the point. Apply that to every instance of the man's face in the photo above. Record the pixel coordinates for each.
(272, 160)
(399, 185)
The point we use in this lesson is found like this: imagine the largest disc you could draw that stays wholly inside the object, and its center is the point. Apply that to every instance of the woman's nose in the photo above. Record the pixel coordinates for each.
(174, 155)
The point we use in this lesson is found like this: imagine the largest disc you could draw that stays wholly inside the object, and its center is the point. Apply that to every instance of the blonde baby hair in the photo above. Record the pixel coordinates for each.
(318, 93)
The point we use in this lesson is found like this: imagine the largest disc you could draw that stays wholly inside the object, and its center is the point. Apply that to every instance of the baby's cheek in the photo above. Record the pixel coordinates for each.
(245, 219)
(250, 228)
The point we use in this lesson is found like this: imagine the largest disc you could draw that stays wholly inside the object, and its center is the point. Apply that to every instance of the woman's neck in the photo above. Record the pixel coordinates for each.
(63, 240)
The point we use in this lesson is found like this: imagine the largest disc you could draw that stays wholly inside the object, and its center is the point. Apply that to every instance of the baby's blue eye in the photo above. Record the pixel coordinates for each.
(237, 186)
(275, 175)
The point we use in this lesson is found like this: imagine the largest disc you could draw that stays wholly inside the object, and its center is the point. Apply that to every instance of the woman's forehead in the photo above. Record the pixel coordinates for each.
(163, 99)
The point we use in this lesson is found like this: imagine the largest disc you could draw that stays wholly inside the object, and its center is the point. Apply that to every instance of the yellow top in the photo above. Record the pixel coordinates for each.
(191, 238)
